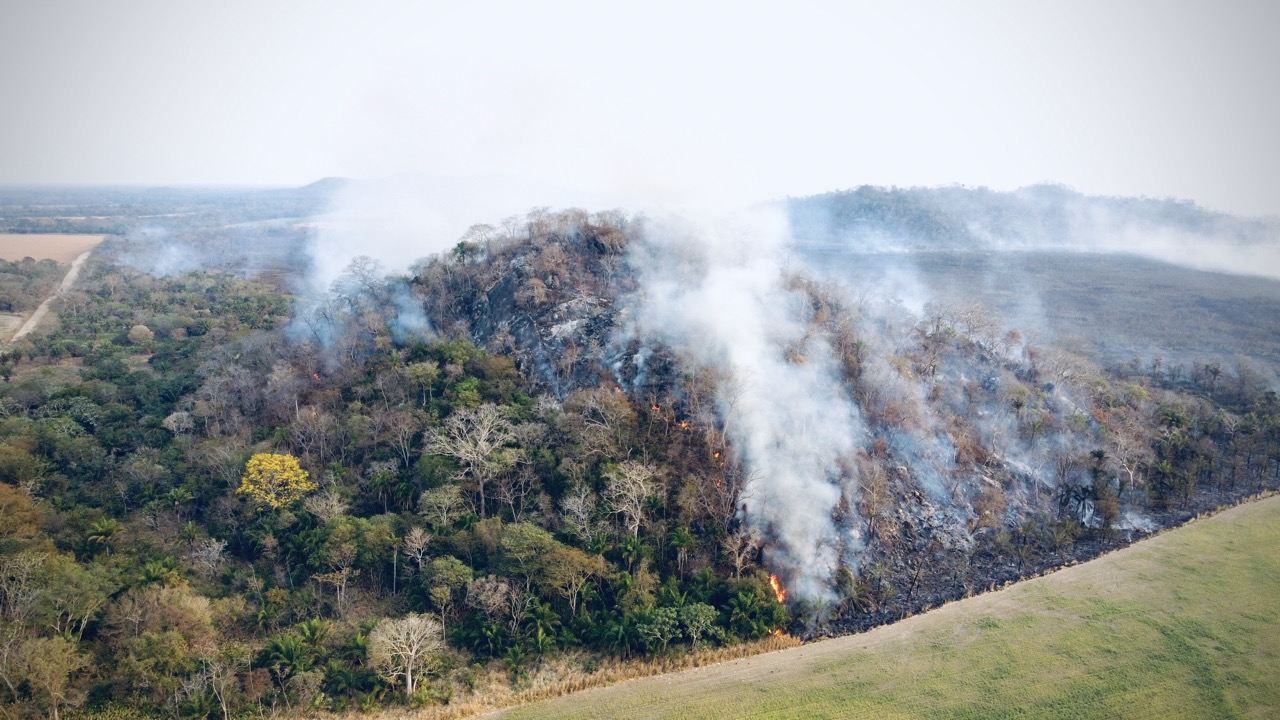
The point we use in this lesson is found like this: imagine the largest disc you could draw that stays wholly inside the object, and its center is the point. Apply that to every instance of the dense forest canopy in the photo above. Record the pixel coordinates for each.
(223, 498)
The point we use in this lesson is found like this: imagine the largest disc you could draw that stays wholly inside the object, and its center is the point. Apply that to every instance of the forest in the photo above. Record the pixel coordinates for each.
(223, 498)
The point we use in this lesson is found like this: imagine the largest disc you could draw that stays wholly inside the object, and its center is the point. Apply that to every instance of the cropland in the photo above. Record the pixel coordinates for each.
(56, 247)
(1182, 625)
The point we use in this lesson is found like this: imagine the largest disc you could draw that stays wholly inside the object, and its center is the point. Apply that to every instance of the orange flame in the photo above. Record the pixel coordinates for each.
(315, 375)
(684, 425)
(778, 590)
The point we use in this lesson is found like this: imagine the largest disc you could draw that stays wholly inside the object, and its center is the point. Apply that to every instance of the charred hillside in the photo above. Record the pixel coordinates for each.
(545, 293)
(980, 456)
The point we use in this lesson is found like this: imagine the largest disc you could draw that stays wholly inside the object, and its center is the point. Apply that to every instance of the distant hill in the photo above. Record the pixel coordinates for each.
(1040, 217)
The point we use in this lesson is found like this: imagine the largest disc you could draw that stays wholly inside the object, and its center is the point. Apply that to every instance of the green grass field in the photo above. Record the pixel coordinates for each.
(1185, 625)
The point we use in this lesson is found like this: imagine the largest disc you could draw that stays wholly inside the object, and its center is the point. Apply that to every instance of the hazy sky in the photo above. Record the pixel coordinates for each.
(650, 99)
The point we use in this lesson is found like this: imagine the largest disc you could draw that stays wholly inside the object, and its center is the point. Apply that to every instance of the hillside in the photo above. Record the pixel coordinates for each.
(573, 435)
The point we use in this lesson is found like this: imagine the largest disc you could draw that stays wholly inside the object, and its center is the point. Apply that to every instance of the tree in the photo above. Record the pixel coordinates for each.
(424, 375)
(21, 516)
(627, 486)
(439, 505)
(401, 648)
(446, 576)
(477, 439)
(47, 665)
(568, 571)
(697, 619)
(140, 335)
(659, 628)
(415, 544)
(275, 481)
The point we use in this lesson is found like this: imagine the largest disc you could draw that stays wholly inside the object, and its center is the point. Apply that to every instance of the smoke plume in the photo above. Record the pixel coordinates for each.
(715, 292)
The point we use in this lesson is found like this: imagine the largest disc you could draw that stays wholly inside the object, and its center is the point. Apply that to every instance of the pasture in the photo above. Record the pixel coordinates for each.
(60, 248)
(1183, 625)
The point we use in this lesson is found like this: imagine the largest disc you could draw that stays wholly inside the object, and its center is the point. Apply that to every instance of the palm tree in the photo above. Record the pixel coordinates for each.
(102, 531)
(288, 654)
(313, 633)
(681, 539)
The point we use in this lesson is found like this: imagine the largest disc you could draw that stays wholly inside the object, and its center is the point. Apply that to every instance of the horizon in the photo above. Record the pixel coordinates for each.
(657, 104)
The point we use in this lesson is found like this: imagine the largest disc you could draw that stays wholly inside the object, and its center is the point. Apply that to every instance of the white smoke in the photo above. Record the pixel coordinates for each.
(398, 220)
(715, 292)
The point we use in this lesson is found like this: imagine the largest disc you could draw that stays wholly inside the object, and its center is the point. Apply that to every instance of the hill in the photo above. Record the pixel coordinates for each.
(571, 437)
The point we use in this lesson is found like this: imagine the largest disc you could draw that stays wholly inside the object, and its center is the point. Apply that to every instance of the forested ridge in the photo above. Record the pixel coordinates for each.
(220, 503)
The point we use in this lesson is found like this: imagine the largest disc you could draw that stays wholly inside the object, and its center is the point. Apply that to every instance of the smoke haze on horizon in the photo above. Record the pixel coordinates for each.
(658, 103)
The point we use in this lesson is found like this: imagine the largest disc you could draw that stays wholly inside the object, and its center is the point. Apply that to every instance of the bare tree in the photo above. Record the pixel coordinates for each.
(326, 505)
(627, 486)
(517, 491)
(179, 423)
(578, 513)
(313, 432)
(600, 420)
(477, 438)
(742, 547)
(207, 556)
(415, 544)
(406, 647)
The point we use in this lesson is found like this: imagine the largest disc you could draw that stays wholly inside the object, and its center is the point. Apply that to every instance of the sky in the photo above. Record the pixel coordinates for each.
(652, 100)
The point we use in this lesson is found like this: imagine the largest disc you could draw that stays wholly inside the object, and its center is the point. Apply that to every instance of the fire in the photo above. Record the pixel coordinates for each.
(656, 408)
(778, 590)
(315, 375)
(684, 425)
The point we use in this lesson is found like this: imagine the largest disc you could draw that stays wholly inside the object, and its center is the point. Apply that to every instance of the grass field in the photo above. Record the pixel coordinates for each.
(62, 248)
(1184, 625)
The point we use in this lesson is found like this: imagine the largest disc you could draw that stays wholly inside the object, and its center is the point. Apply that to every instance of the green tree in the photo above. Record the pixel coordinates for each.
(47, 666)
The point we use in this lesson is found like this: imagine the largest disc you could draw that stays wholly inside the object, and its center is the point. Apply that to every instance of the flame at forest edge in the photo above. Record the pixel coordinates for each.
(778, 590)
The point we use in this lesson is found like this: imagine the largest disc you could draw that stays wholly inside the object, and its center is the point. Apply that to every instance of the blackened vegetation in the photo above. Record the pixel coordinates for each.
(543, 290)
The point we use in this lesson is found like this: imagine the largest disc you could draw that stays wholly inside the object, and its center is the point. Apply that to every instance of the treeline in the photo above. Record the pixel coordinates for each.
(26, 283)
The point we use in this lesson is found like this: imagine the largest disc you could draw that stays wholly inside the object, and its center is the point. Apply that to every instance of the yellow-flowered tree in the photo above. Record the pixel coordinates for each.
(275, 481)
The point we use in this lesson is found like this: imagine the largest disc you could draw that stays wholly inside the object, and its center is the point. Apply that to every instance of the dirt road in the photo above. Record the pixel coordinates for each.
(67, 283)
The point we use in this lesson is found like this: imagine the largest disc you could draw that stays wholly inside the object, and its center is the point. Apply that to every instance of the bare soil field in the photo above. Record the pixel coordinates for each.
(61, 248)
(1181, 625)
